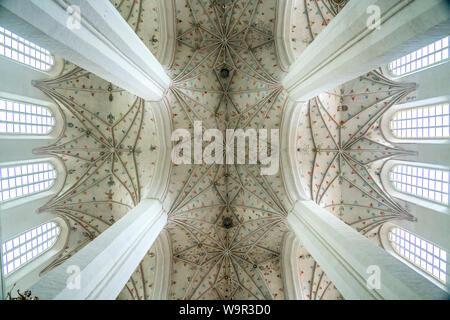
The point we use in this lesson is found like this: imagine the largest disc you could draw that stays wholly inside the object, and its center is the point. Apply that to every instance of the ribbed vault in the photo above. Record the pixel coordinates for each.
(226, 222)
(341, 150)
(108, 146)
(315, 16)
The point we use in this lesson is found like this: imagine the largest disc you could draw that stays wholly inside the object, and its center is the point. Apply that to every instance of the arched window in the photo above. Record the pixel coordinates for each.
(24, 51)
(22, 180)
(419, 252)
(23, 118)
(27, 246)
(426, 183)
(430, 55)
(428, 122)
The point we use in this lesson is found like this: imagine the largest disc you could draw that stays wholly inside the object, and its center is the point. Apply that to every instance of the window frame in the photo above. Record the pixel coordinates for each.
(37, 162)
(10, 206)
(418, 183)
(421, 118)
(388, 186)
(28, 134)
(18, 238)
(25, 44)
(28, 274)
(387, 69)
(385, 123)
(442, 252)
(54, 109)
(386, 245)
(56, 69)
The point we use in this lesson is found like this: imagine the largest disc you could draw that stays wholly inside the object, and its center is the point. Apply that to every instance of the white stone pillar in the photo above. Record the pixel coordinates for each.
(106, 263)
(352, 45)
(351, 260)
(100, 41)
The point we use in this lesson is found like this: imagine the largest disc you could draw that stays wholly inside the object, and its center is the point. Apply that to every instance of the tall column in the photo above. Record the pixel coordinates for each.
(352, 44)
(352, 261)
(100, 41)
(101, 269)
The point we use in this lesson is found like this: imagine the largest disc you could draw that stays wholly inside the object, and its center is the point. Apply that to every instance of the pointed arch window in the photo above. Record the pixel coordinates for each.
(24, 118)
(422, 182)
(433, 54)
(24, 180)
(21, 50)
(27, 246)
(419, 252)
(428, 122)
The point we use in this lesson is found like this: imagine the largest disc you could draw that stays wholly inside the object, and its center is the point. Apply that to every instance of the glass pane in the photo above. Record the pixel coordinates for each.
(19, 181)
(23, 51)
(430, 122)
(419, 252)
(21, 118)
(22, 249)
(426, 183)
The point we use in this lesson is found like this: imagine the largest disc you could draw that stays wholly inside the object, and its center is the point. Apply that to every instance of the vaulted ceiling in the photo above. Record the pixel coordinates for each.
(108, 146)
(214, 260)
(226, 222)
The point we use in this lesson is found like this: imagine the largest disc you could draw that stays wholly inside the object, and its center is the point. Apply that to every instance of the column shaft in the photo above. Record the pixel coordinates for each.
(100, 41)
(106, 263)
(353, 43)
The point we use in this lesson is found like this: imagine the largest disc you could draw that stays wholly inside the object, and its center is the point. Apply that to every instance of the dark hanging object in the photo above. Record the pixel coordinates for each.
(227, 222)
(344, 108)
(224, 73)
(110, 88)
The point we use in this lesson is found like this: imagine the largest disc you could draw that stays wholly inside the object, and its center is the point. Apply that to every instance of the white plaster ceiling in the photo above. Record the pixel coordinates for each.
(315, 283)
(109, 149)
(309, 19)
(144, 18)
(210, 260)
(340, 152)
